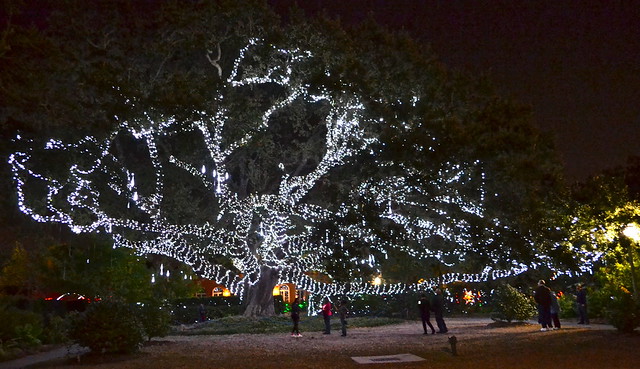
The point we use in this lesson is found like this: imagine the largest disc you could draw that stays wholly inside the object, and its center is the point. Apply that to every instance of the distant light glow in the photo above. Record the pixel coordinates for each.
(632, 231)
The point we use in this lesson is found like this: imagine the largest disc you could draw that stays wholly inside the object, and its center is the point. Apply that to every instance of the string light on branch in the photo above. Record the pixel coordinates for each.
(430, 212)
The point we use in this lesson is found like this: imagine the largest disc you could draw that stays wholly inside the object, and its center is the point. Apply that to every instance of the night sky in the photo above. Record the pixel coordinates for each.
(577, 63)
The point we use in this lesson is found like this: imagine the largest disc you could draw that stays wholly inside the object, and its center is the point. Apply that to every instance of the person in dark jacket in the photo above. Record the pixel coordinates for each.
(425, 313)
(343, 311)
(295, 317)
(555, 311)
(581, 301)
(542, 296)
(437, 305)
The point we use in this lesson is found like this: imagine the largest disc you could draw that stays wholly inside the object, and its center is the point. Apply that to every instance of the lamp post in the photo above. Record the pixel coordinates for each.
(632, 232)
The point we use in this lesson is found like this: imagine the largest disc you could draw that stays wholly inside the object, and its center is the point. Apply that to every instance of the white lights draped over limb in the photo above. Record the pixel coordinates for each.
(239, 236)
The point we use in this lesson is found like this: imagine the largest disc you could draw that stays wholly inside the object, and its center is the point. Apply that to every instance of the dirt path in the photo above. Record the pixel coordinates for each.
(480, 345)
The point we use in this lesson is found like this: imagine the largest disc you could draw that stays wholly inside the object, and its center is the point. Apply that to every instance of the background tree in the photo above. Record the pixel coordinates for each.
(604, 210)
(604, 229)
(15, 277)
(257, 154)
(94, 271)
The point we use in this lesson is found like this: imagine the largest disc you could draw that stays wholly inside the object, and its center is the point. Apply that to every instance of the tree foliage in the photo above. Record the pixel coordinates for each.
(606, 208)
(93, 270)
(258, 153)
(16, 276)
(603, 209)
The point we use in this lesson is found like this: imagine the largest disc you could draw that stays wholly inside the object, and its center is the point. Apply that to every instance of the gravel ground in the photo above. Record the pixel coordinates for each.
(481, 344)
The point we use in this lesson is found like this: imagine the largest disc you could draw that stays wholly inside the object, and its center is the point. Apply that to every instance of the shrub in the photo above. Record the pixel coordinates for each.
(397, 305)
(598, 302)
(185, 311)
(155, 319)
(29, 335)
(509, 304)
(20, 325)
(108, 327)
(567, 305)
(623, 311)
(9, 350)
(56, 330)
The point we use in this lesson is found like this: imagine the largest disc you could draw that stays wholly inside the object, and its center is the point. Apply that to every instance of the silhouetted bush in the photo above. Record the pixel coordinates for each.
(623, 312)
(108, 327)
(509, 304)
(20, 325)
(56, 329)
(186, 311)
(155, 319)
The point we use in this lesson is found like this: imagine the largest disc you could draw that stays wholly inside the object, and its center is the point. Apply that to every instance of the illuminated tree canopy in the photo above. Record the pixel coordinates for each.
(604, 222)
(309, 153)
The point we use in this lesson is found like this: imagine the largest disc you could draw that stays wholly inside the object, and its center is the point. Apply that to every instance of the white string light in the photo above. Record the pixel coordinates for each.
(286, 222)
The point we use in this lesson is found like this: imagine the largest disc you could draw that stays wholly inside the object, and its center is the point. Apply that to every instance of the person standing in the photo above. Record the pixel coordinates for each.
(343, 311)
(437, 305)
(542, 296)
(295, 317)
(581, 301)
(425, 313)
(326, 314)
(555, 311)
(203, 313)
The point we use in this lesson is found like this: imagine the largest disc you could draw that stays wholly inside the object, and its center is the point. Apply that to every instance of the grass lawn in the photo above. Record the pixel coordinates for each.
(280, 324)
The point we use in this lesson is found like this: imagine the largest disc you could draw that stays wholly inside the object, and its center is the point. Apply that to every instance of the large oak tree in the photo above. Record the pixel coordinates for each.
(258, 152)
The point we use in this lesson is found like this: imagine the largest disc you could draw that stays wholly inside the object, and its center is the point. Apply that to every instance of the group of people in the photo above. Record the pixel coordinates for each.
(549, 309)
(425, 305)
(546, 300)
(435, 304)
(327, 312)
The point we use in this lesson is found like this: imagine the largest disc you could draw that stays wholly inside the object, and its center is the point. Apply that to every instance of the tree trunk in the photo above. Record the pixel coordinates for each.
(260, 295)
(628, 242)
(636, 295)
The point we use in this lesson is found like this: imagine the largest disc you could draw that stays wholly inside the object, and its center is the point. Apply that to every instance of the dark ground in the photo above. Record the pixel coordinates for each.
(481, 344)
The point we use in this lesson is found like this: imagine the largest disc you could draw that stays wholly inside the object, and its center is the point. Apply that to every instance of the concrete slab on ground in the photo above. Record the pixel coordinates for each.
(399, 358)
(27, 361)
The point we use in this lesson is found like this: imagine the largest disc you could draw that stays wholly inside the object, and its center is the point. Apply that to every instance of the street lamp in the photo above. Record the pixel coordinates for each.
(632, 232)
(377, 281)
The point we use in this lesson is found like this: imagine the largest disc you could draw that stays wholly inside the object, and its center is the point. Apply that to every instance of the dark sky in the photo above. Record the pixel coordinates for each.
(576, 62)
